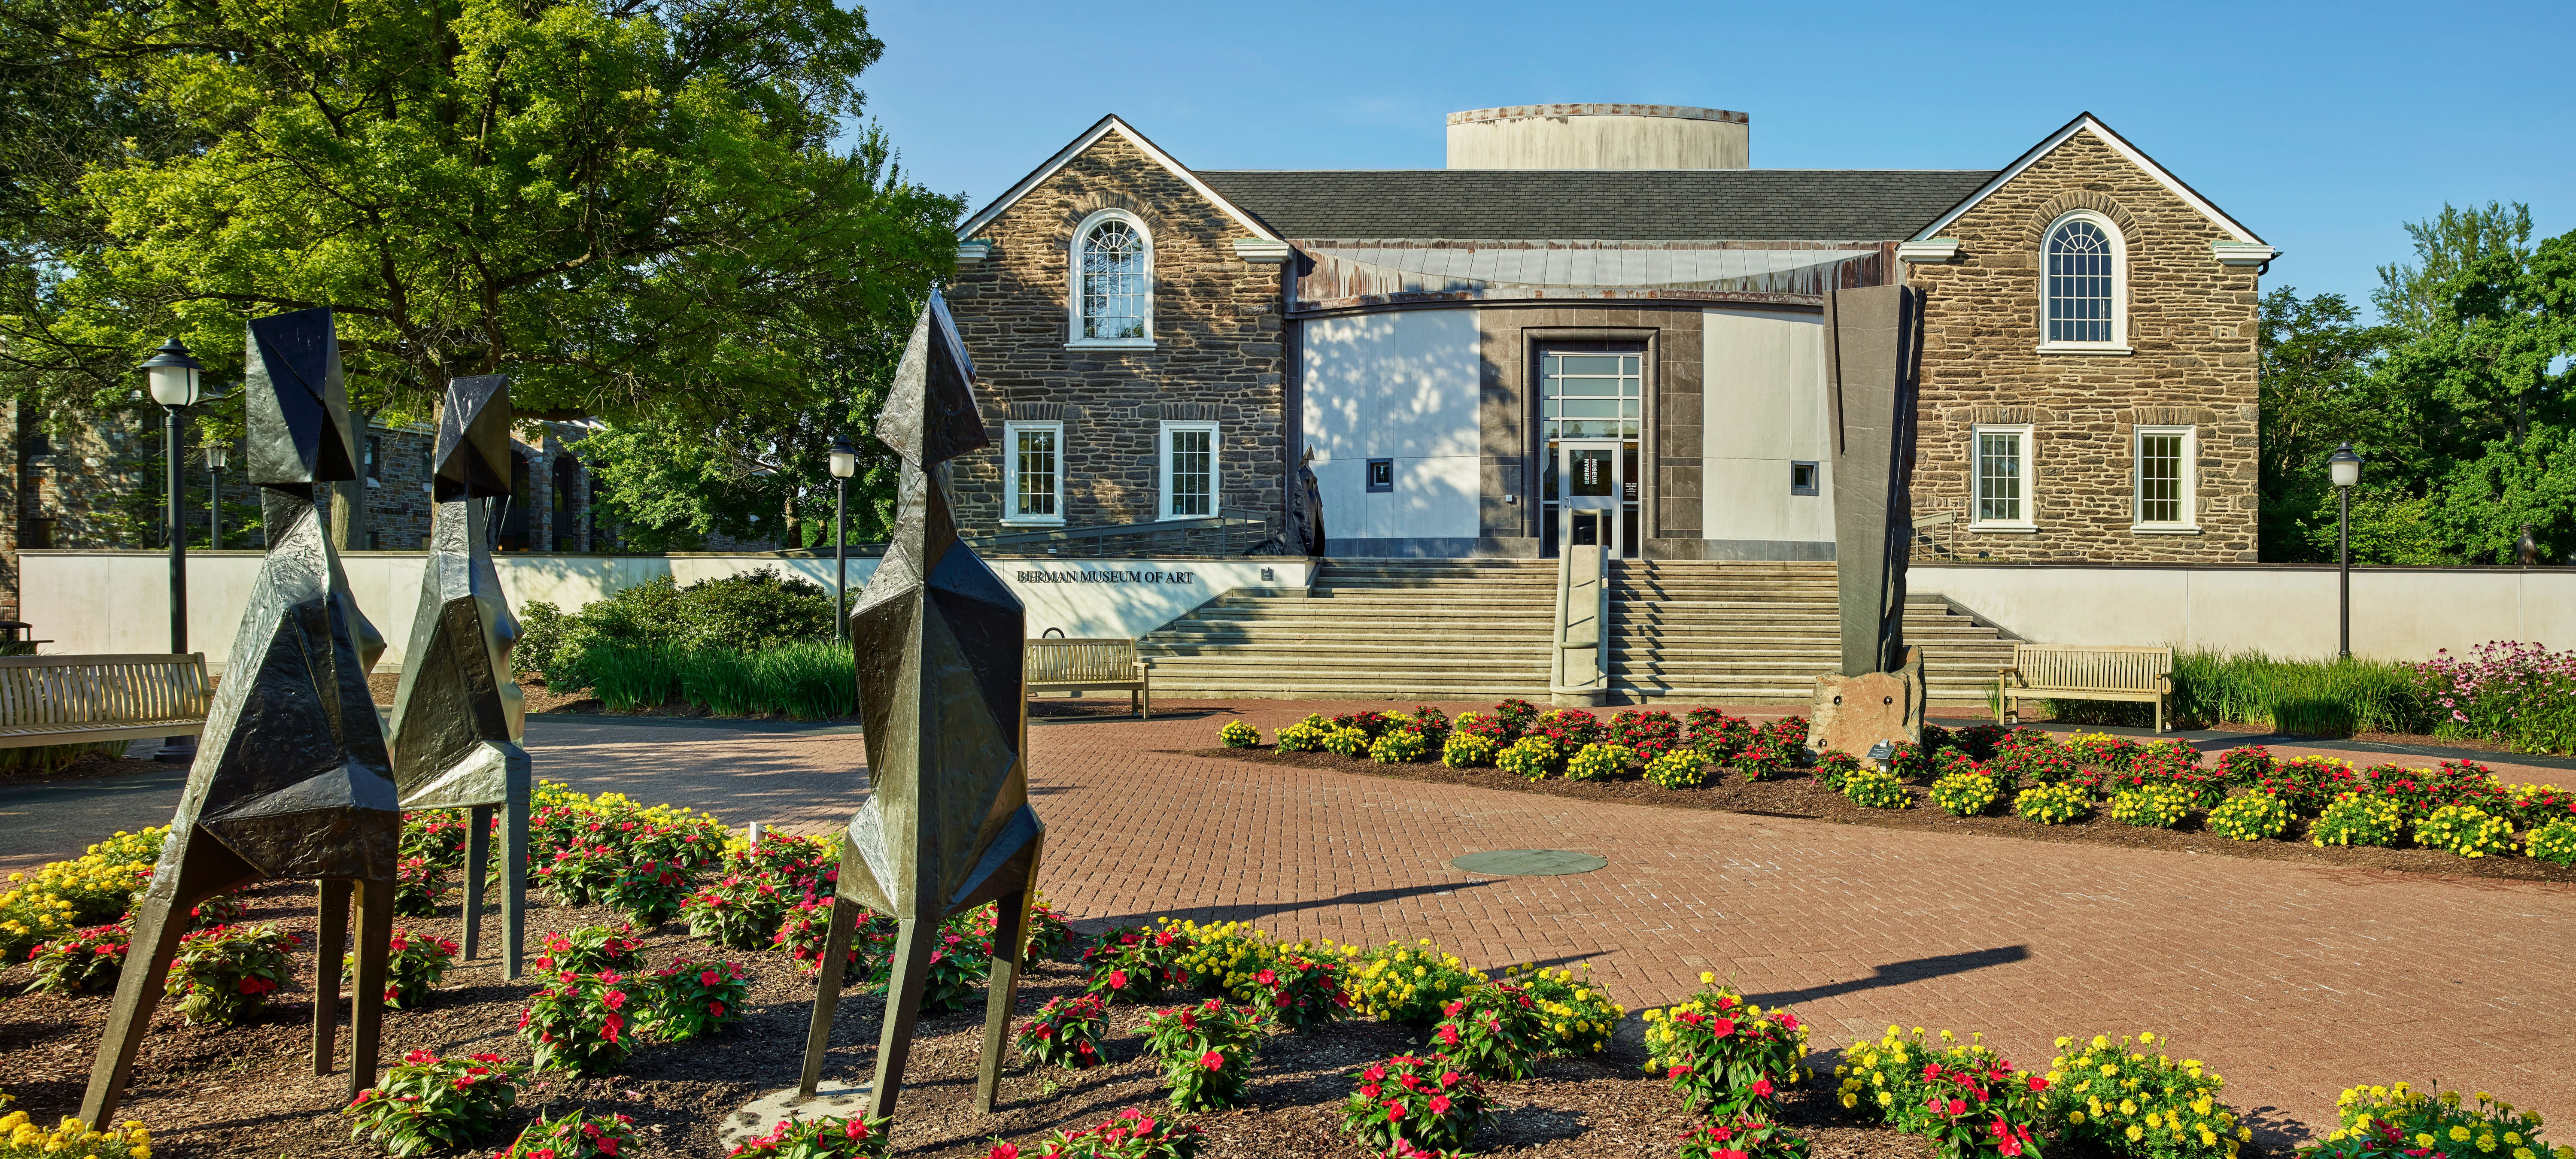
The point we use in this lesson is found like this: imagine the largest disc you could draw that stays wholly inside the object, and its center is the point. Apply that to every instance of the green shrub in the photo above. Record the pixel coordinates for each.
(427, 1103)
(414, 965)
(577, 1023)
(2397, 1121)
(1596, 762)
(2052, 804)
(2555, 841)
(1678, 769)
(1876, 789)
(1238, 735)
(578, 1134)
(226, 973)
(1530, 758)
(737, 615)
(2357, 819)
(83, 962)
(1407, 982)
(2465, 830)
(1407, 1105)
(1346, 742)
(691, 998)
(1764, 759)
(1964, 794)
(542, 628)
(2249, 817)
(1464, 750)
(1727, 1057)
(1496, 1032)
(1206, 1052)
(1833, 766)
(2129, 1102)
(2151, 806)
(1301, 738)
(1985, 1108)
(1398, 747)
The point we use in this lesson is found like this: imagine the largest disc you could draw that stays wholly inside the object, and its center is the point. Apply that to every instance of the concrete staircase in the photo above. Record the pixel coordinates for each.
(1681, 632)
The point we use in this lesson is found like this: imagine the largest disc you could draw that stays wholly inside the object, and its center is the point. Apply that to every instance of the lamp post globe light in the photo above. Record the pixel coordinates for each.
(173, 376)
(845, 463)
(2343, 468)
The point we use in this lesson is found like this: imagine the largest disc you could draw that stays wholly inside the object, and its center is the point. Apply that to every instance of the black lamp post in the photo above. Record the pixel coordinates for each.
(216, 454)
(845, 463)
(2344, 468)
(173, 376)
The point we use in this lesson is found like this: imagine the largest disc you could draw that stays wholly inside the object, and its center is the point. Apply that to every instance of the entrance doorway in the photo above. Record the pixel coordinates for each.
(1591, 408)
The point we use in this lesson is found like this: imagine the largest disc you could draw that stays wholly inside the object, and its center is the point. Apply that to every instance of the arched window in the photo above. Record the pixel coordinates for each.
(2083, 292)
(1113, 281)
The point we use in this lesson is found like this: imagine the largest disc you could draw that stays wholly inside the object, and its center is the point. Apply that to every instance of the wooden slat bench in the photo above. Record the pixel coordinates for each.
(2069, 672)
(57, 700)
(1076, 665)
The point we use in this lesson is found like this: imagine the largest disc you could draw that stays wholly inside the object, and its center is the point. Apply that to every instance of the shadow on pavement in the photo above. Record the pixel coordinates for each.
(1898, 974)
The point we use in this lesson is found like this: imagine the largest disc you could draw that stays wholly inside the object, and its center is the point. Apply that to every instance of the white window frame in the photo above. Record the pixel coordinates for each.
(1074, 339)
(2189, 524)
(1163, 468)
(2119, 343)
(1011, 473)
(2029, 478)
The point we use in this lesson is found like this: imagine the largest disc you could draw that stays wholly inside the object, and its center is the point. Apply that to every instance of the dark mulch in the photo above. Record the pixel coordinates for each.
(234, 1091)
(1798, 795)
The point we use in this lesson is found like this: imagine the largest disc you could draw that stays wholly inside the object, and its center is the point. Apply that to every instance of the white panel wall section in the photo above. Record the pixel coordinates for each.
(1400, 385)
(1762, 408)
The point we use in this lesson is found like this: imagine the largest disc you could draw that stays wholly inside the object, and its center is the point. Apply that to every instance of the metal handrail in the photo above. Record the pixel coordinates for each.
(1225, 517)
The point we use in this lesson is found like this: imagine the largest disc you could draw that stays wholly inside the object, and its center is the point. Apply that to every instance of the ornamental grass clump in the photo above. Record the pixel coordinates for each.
(2399, 1122)
(1064, 1033)
(577, 1023)
(225, 974)
(1466, 750)
(419, 883)
(1598, 762)
(414, 966)
(1964, 794)
(592, 949)
(1346, 742)
(2050, 804)
(1967, 1099)
(1206, 1052)
(1401, 746)
(2118, 1097)
(1497, 1032)
(691, 998)
(825, 1137)
(1726, 1056)
(575, 1134)
(427, 1103)
(2465, 830)
(1743, 1138)
(2249, 817)
(737, 911)
(2151, 807)
(2555, 842)
(1238, 735)
(1530, 758)
(1301, 738)
(1400, 982)
(82, 962)
(1577, 1016)
(1678, 768)
(1876, 789)
(2355, 819)
(1409, 1103)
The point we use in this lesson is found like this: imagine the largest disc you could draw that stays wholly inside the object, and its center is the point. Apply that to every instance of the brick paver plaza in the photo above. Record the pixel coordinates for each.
(2292, 981)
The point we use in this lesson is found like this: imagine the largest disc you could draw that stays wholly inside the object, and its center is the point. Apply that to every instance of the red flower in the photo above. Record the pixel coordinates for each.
(1265, 977)
(1439, 1104)
(1722, 1027)
(716, 1009)
(1762, 1088)
(1004, 1151)
(707, 979)
(1118, 979)
(1213, 1060)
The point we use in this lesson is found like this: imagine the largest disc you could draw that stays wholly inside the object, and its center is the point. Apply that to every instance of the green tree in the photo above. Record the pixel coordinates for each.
(2317, 393)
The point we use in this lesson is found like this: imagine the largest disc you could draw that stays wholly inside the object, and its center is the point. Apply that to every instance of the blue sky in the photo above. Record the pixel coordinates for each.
(2323, 127)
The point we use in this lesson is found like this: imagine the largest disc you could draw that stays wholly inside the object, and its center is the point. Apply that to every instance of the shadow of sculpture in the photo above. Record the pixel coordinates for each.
(291, 778)
(947, 824)
(458, 717)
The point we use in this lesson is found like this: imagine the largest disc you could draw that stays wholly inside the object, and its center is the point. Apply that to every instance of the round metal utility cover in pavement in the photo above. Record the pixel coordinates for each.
(1528, 863)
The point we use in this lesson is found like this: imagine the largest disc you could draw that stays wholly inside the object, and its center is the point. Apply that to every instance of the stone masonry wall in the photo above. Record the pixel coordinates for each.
(1218, 348)
(2192, 323)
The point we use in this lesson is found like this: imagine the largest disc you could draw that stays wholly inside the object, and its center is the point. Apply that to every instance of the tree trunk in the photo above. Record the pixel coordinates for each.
(349, 515)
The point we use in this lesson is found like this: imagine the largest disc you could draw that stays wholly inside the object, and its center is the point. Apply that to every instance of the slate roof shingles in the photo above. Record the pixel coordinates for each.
(1598, 204)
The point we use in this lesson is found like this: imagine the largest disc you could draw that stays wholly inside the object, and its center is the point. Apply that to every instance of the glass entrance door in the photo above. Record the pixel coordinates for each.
(1590, 484)
(1591, 408)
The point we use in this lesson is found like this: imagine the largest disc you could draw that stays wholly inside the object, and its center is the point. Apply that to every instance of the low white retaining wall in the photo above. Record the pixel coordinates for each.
(2287, 611)
(119, 601)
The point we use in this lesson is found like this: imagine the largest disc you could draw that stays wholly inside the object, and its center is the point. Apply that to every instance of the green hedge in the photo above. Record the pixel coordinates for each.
(747, 614)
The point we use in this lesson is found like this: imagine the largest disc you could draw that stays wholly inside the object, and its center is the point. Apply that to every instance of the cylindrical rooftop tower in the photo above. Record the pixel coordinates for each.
(1599, 137)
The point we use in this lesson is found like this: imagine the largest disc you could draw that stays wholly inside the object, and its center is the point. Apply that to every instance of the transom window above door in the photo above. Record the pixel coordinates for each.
(1591, 396)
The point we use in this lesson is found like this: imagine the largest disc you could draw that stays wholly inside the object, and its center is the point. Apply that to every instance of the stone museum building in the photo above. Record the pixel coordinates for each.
(1601, 323)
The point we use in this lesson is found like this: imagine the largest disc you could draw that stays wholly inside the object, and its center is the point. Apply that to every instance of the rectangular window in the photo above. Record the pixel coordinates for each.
(1033, 463)
(2164, 478)
(1189, 470)
(1381, 474)
(2000, 458)
(1802, 478)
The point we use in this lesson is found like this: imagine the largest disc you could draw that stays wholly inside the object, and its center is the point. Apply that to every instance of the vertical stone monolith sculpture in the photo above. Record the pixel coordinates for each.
(291, 778)
(1873, 346)
(458, 716)
(940, 647)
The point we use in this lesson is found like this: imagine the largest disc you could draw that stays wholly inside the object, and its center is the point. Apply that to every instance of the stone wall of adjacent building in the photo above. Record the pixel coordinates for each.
(1218, 351)
(2192, 325)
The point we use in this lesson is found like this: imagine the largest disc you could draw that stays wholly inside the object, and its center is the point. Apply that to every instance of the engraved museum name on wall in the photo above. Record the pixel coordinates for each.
(1105, 577)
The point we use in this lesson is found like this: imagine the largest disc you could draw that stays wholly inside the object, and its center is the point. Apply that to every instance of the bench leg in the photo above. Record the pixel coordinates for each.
(2160, 714)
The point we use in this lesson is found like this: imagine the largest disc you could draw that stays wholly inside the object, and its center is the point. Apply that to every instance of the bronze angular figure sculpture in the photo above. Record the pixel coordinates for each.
(291, 778)
(940, 647)
(458, 716)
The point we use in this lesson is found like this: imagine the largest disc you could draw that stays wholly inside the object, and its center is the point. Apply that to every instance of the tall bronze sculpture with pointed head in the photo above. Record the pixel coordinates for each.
(291, 778)
(458, 715)
(947, 825)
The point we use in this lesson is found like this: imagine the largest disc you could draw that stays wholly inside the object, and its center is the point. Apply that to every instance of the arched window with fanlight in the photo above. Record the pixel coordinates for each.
(2084, 296)
(1113, 281)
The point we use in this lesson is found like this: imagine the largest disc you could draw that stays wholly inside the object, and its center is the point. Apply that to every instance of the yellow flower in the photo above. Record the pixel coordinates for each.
(2459, 1134)
(2135, 1134)
(2422, 1140)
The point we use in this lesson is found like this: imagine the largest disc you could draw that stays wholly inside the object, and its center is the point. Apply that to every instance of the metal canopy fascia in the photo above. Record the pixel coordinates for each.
(2118, 144)
(1107, 125)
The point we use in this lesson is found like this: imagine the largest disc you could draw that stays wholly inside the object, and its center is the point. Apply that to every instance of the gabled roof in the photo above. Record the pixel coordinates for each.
(1107, 125)
(1599, 204)
(2084, 122)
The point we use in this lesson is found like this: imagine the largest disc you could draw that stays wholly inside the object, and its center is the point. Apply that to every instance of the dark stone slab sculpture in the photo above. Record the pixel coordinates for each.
(940, 647)
(1873, 348)
(291, 778)
(458, 716)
